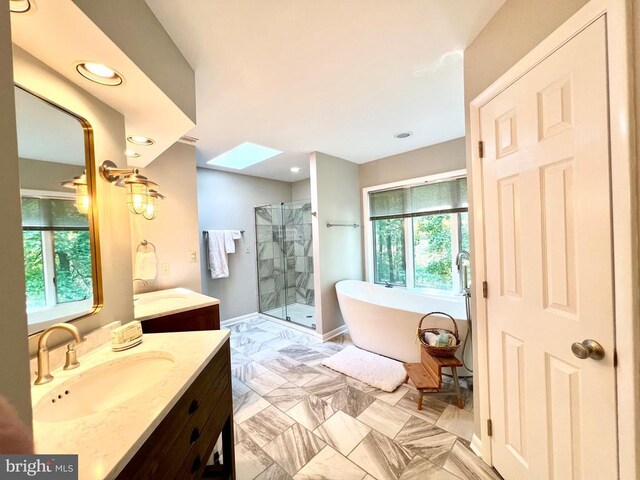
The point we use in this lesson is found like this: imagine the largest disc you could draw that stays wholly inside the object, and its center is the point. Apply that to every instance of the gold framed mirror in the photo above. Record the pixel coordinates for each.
(59, 214)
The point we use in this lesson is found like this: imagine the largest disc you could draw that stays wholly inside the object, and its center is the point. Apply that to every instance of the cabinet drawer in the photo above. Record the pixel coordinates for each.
(155, 449)
(207, 318)
(195, 432)
(196, 459)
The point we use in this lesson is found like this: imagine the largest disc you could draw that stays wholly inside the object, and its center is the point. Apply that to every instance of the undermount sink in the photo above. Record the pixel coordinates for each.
(103, 387)
(165, 300)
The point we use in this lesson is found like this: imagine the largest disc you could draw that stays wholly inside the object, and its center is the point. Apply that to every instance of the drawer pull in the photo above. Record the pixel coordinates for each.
(194, 406)
(195, 435)
(196, 465)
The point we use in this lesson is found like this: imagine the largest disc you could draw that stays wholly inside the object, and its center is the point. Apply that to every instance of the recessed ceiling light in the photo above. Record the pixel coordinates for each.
(139, 140)
(131, 154)
(99, 73)
(295, 169)
(20, 6)
(243, 156)
(403, 134)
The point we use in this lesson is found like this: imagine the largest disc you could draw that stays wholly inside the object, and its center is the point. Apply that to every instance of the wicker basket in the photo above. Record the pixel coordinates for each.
(439, 351)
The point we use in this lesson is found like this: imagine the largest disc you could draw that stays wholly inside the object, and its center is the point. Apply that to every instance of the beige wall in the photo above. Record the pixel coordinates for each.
(175, 230)
(301, 190)
(515, 29)
(113, 216)
(226, 201)
(337, 251)
(14, 367)
(133, 27)
(438, 158)
(41, 175)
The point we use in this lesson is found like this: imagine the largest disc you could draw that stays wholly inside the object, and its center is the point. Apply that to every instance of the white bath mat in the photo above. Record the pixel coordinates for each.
(375, 370)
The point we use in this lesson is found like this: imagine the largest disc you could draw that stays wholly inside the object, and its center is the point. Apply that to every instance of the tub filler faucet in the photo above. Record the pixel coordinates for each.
(463, 259)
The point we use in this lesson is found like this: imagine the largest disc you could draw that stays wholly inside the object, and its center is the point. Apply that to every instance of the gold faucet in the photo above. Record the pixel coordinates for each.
(44, 373)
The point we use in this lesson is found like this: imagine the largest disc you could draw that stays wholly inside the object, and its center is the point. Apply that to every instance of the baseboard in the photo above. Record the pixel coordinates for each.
(476, 445)
(291, 325)
(241, 318)
(333, 333)
(299, 328)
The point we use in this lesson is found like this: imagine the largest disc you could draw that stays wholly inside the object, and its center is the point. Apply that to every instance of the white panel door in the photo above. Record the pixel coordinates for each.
(547, 207)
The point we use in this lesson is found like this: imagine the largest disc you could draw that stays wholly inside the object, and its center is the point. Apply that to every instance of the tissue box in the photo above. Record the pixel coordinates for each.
(127, 336)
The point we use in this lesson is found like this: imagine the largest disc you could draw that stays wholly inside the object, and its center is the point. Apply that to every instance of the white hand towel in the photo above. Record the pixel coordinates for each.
(431, 338)
(146, 265)
(236, 234)
(218, 261)
(229, 244)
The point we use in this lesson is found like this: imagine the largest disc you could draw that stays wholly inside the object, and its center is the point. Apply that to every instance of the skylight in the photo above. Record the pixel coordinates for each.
(243, 156)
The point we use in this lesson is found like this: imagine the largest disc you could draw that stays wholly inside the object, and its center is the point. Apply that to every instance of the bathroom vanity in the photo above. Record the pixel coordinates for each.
(154, 411)
(176, 310)
(180, 446)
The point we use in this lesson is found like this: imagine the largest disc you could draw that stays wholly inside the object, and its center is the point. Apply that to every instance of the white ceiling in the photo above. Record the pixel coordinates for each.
(47, 133)
(336, 76)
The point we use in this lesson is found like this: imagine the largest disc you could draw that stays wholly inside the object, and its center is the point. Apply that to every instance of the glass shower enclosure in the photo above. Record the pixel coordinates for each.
(285, 262)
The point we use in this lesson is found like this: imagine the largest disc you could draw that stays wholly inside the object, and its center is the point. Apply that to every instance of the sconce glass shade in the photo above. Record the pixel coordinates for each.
(83, 201)
(19, 6)
(151, 211)
(137, 187)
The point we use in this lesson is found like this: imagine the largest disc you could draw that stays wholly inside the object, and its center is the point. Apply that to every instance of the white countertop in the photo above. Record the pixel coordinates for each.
(166, 302)
(106, 441)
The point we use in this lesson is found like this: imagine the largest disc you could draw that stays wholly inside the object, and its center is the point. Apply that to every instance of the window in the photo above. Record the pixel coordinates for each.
(418, 230)
(34, 269)
(388, 239)
(57, 257)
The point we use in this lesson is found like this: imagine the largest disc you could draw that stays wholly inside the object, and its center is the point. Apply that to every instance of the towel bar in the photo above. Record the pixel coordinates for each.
(354, 225)
(144, 243)
(206, 232)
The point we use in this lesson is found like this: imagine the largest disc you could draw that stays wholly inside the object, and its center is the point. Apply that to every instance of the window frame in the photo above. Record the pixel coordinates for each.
(408, 232)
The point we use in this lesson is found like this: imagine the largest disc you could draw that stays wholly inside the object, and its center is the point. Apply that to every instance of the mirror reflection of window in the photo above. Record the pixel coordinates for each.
(57, 250)
(55, 205)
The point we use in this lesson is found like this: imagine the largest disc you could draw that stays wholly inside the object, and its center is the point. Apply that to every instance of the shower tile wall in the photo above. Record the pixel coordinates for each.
(299, 254)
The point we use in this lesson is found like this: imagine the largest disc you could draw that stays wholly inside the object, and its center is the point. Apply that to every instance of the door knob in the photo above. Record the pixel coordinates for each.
(588, 349)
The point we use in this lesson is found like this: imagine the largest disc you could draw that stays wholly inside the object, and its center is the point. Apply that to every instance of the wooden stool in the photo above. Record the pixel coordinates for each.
(427, 375)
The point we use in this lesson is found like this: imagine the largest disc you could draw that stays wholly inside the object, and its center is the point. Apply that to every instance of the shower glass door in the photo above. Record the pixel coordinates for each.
(285, 262)
(270, 233)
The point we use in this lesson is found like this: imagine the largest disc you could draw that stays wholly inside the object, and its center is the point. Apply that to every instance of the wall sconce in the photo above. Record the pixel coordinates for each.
(137, 187)
(83, 200)
(142, 193)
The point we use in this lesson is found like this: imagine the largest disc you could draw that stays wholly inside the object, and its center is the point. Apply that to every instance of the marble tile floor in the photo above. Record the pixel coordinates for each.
(295, 419)
(298, 313)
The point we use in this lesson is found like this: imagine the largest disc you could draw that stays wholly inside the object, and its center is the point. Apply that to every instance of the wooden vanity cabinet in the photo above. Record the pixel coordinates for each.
(181, 445)
(205, 318)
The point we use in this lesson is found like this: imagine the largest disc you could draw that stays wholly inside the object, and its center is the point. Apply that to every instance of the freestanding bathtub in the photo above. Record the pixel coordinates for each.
(385, 320)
